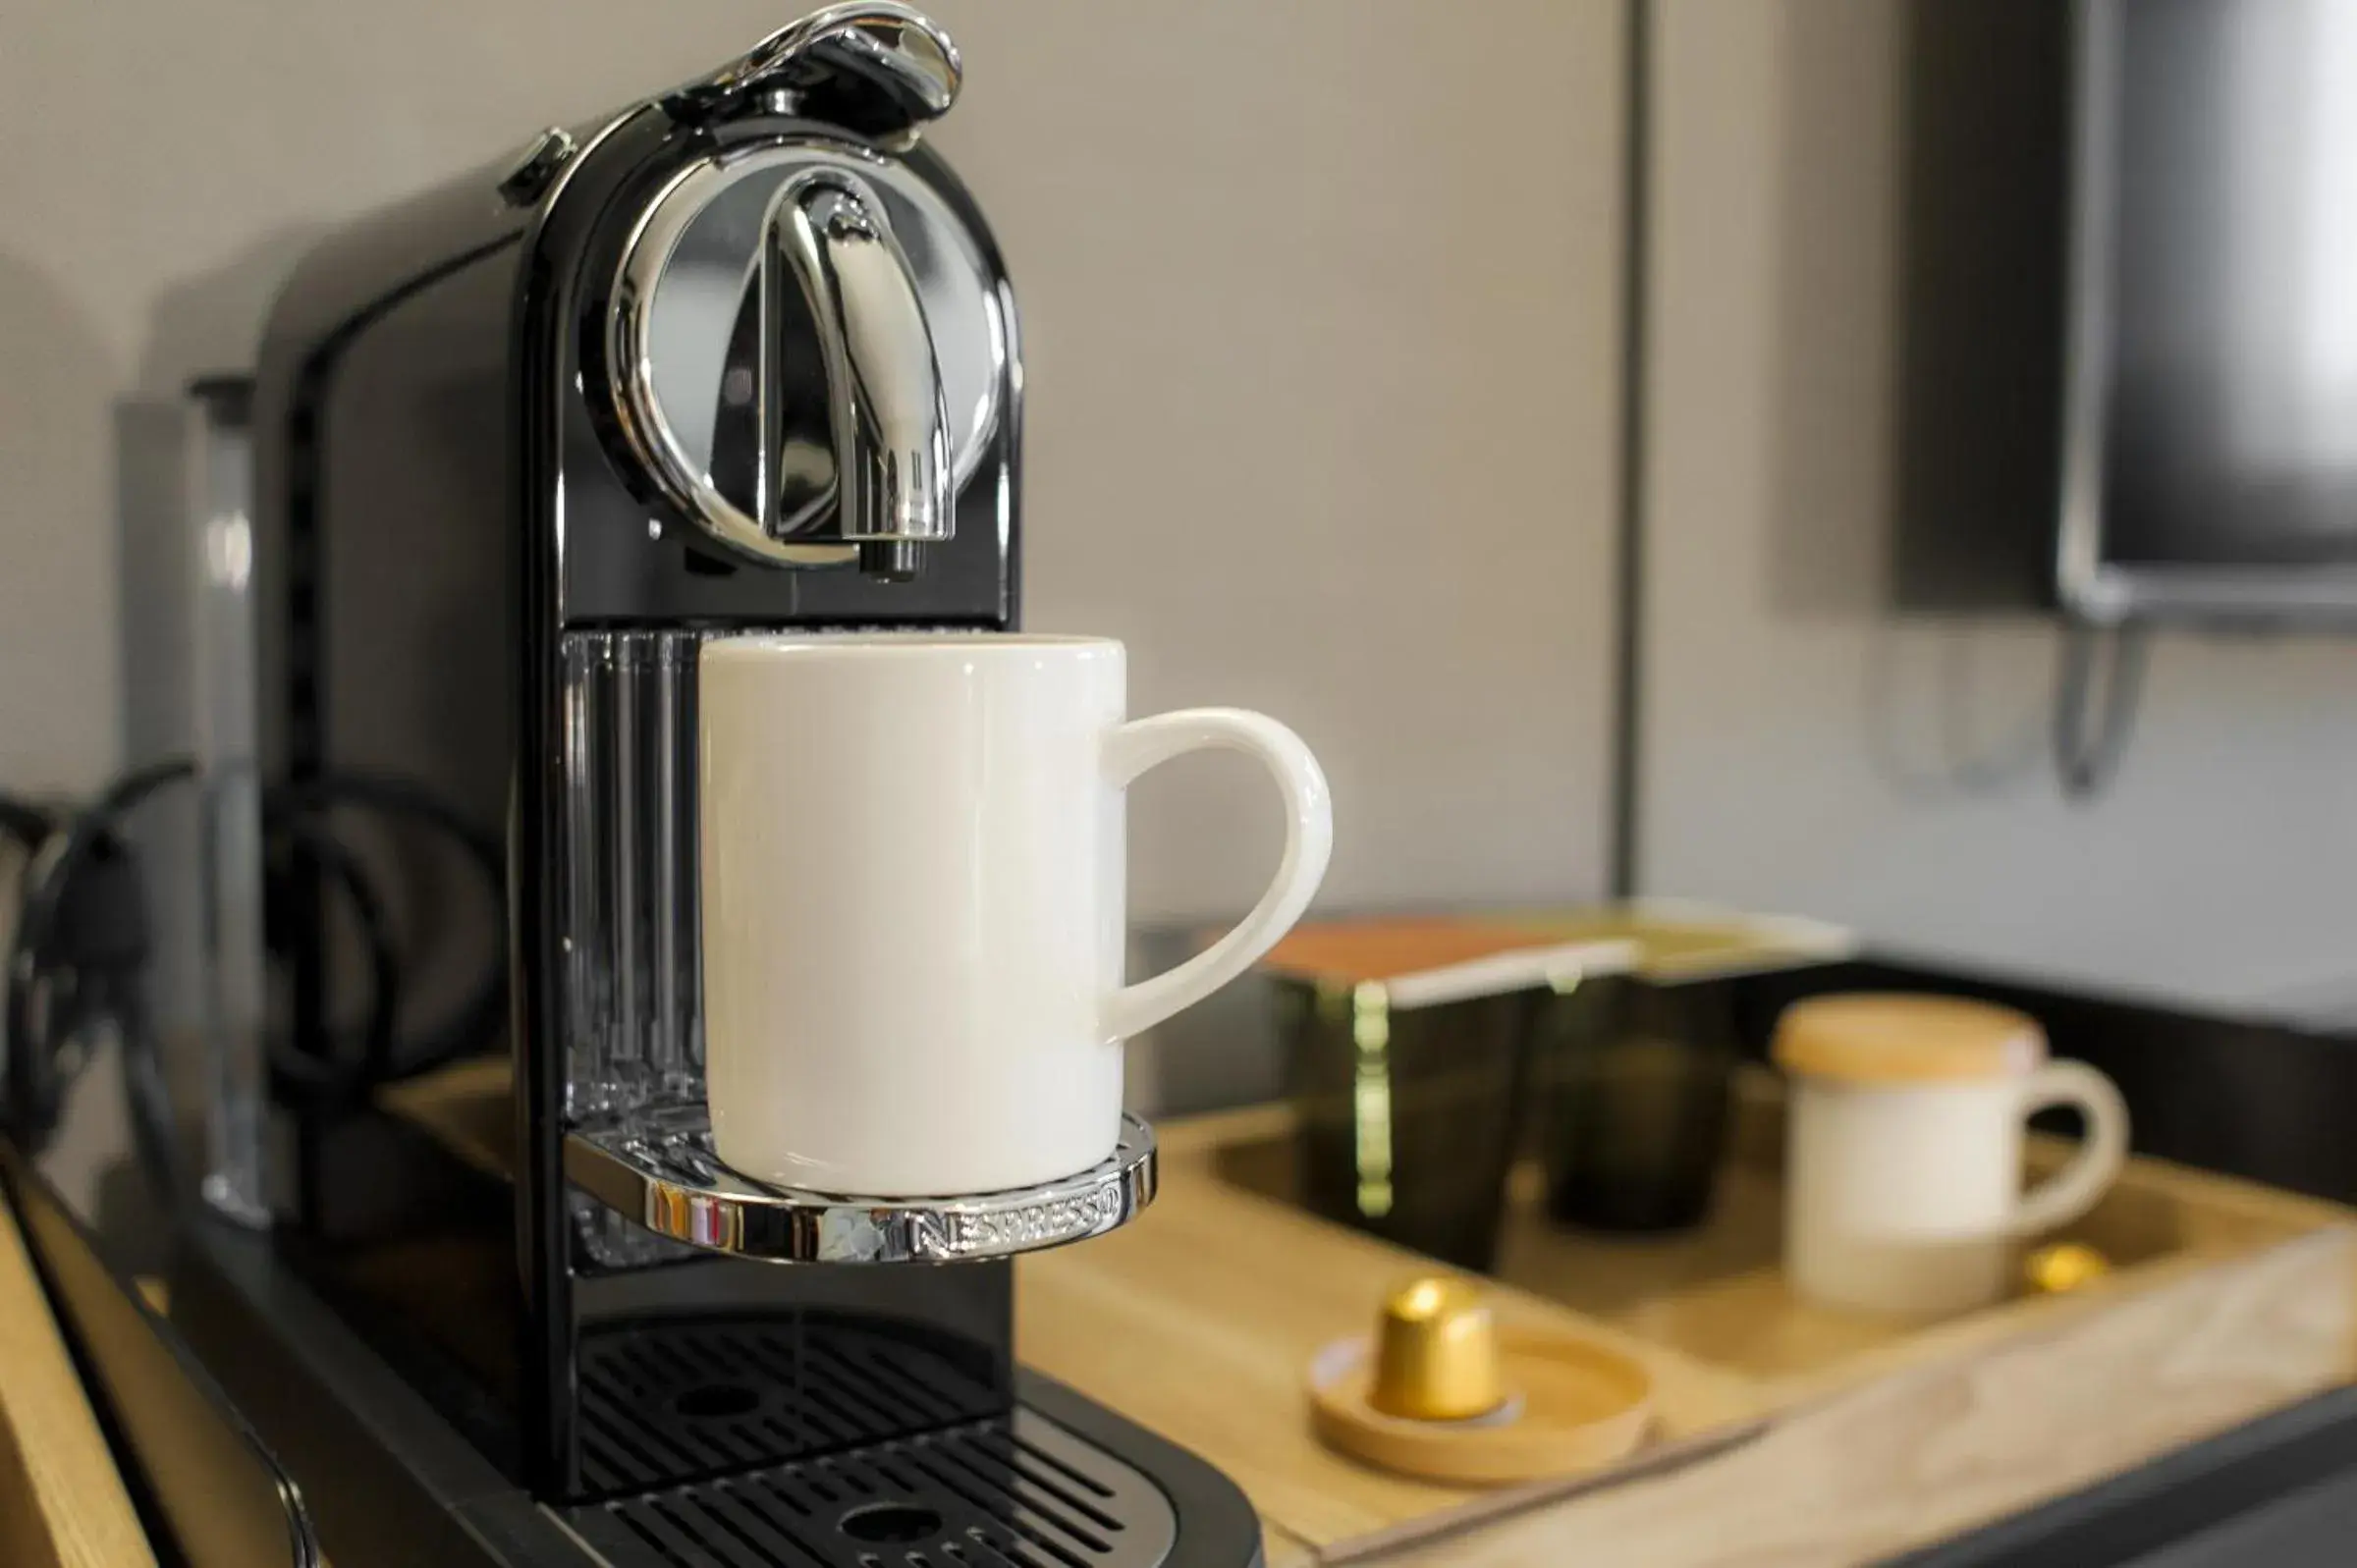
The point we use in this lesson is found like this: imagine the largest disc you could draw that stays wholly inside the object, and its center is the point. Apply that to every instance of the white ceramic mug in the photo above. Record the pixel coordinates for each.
(1904, 1149)
(913, 902)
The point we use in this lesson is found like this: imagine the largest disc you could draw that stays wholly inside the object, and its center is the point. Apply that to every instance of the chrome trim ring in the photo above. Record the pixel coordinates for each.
(647, 254)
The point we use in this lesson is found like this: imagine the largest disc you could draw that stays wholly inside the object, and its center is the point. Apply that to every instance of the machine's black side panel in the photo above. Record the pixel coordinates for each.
(401, 632)
(342, 288)
(415, 621)
(389, 1482)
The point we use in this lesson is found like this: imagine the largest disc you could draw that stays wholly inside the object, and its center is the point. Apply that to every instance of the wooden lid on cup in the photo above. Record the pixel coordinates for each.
(1896, 1038)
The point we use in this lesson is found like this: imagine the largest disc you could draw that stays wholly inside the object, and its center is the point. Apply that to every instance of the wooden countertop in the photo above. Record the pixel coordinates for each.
(1199, 1318)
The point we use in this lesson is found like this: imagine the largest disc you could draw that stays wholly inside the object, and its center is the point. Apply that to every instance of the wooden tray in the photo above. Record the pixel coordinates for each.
(1837, 1438)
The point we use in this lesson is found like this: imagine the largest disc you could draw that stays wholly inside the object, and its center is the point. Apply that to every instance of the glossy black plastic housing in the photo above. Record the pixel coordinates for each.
(442, 494)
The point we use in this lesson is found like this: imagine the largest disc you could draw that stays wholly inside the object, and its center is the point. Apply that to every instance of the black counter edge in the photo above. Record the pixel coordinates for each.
(2116, 1522)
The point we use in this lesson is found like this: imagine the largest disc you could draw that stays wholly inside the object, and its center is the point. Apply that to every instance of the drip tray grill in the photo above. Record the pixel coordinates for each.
(657, 1169)
(1012, 1492)
(662, 1403)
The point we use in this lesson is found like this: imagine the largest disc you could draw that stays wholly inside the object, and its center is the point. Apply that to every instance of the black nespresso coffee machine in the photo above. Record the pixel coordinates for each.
(740, 355)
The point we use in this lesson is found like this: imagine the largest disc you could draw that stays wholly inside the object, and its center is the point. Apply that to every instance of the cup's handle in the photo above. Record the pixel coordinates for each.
(2073, 1190)
(1143, 743)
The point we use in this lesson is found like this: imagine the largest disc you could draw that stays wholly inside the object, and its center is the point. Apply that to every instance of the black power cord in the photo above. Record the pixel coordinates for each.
(342, 1069)
(302, 809)
(81, 942)
(2087, 764)
(82, 892)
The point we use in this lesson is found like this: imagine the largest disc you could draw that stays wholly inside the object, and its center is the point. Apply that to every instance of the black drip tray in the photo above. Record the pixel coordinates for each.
(665, 1402)
(1011, 1492)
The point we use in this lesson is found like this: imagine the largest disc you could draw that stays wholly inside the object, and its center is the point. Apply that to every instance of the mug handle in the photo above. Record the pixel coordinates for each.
(1144, 743)
(2073, 1190)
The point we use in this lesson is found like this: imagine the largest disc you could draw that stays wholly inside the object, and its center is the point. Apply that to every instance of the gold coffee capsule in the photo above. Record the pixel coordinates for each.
(2063, 1267)
(1436, 1354)
(1443, 1393)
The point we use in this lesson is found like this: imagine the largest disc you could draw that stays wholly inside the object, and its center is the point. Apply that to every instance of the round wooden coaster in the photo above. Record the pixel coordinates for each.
(1571, 1405)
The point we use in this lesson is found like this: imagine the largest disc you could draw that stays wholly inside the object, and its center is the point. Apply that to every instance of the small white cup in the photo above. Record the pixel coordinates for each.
(913, 865)
(1904, 1142)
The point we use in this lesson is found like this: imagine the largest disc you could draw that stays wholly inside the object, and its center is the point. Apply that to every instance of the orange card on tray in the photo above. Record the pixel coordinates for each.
(1423, 961)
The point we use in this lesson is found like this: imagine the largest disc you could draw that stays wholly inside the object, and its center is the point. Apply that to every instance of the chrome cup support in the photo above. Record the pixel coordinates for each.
(656, 1168)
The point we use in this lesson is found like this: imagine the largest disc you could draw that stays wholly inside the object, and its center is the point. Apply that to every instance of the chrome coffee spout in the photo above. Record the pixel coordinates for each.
(828, 255)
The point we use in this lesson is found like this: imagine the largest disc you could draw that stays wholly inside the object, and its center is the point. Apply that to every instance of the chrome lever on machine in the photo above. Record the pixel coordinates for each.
(873, 67)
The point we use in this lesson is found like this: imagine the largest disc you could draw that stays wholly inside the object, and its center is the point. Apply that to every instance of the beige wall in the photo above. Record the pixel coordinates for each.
(1808, 747)
(1318, 299)
(1319, 304)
